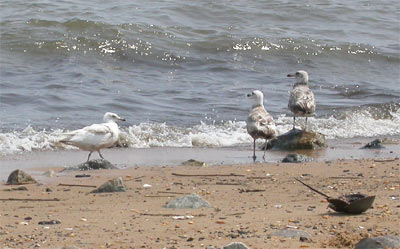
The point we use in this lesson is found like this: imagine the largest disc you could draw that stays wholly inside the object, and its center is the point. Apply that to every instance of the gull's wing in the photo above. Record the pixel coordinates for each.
(93, 136)
(302, 100)
(260, 123)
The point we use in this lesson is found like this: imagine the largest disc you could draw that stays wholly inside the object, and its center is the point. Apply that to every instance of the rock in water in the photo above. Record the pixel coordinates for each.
(18, 177)
(376, 144)
(236, 245)
(298, 140)
(114, 185)
(192, 162)
(188, 201)
(379, 242)
(286, 233)
(297, 158)
(93, 164)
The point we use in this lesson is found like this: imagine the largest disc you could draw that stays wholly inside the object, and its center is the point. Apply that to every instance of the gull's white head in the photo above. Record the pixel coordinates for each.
(301, 77)
(109, 116)
(257, 97)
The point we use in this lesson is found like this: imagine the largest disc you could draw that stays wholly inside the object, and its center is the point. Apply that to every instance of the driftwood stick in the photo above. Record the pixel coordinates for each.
(76, 185)
(168, 215)
(232, 174)
(258, 177)
(159, 196)
(344, 177)
(251, 190)
(313, 189)
(22, 199)
(171, 192)
(228, 183)
(385, 160)
(235, 214)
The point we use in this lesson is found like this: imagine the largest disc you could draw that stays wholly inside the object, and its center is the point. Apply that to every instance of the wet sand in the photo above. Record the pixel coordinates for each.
(170, 156)
(248, 208)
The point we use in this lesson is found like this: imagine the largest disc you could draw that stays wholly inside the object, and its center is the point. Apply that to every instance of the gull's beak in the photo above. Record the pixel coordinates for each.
(121, 119)
(291, 75)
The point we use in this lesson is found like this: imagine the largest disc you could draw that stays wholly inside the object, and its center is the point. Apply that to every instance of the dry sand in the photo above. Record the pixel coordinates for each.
(244, 208)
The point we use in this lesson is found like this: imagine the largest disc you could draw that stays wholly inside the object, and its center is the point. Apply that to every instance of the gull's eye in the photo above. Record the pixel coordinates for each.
(297, 73)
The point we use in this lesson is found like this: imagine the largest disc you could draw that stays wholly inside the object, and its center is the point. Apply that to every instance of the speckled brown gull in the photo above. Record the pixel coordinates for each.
(260, 124)
(96, 136)
(301, 100)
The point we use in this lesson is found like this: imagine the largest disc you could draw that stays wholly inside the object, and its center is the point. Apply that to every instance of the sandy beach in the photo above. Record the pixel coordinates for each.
(249, 203)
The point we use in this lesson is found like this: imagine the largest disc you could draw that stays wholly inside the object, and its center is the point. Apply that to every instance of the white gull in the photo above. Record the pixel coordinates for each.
(96, 136)
(301, 100)
(260, 124)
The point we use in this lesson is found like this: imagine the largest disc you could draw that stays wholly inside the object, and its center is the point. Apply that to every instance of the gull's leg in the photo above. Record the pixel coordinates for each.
(305, 127)
(254, 150)
(89, 156)
(265, 148)
(100, 154)
(294, 122)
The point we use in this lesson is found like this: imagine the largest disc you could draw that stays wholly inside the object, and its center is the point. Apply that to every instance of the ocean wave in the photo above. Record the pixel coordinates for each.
(365, 121)
(171, 45)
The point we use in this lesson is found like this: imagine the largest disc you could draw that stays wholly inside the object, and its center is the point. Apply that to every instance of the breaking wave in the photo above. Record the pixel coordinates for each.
(366, 121)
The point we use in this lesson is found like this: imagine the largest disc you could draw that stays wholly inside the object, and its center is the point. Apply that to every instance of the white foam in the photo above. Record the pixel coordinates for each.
(359, 123)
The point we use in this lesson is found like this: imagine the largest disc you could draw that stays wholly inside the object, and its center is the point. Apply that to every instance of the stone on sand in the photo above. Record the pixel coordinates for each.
(298, 140)
(18, 177)
(188, 201)
(297, 158)
(379, 242)
(93, 164)
(236, 245)
(286, 233)
(114, 185)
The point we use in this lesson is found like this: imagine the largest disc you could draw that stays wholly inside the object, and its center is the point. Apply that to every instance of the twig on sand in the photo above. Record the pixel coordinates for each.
(159, 196)
(251, 190)
(168, 215)
(228, 183)
(235, 214)
(344, 177)
(385, 160)
(171, 192)
(22, 199)
(77, 185)
(207, 175)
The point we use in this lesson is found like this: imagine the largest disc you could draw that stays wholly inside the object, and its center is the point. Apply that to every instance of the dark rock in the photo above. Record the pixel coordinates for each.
(18, 177)
(297, 158)
(376, 144)
(303, 239)
(49, 190)
(379, 242)
(92, 164)
(286, 233)
(28, 218)
(114, 185)
(298, 140)
(49, 222)
(82, 175)
(188, 201)
(236, 245)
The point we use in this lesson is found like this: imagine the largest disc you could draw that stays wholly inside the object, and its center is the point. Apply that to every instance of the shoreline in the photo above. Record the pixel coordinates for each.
(264, 199)
(173, 156)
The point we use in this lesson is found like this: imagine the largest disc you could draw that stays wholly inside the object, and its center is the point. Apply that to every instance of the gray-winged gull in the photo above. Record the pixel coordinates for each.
(301, 100)
(260, 124)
